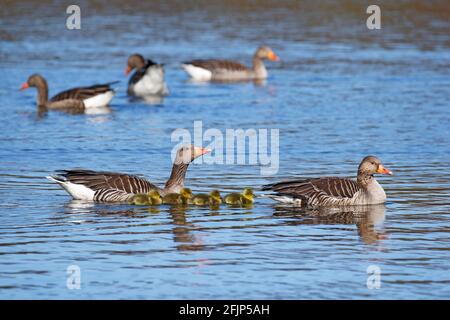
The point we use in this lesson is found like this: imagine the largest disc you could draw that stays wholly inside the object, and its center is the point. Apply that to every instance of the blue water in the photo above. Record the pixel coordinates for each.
(339, 93)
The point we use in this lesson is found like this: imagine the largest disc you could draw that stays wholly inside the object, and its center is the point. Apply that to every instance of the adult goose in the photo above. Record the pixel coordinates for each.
(225, 70)
(81, 98)
(334, 191)
(119, 187)
(147, 80)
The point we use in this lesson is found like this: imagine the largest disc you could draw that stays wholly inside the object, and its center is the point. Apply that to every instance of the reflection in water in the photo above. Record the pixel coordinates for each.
(181, 230)
(256, 82)
(82, 206)
(153, 210)
(77, 206)
(42, 111)
(149, 99)
(366, 218)
(98, 111)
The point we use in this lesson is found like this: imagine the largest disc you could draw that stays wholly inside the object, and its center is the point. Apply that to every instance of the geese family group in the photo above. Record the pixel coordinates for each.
(148, 79)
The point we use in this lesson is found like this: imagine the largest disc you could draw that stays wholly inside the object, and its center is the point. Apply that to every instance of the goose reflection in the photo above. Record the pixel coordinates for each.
(368, 219)
(82, 206)
(182, 230)
(98, 111)
(148, 99)
(256, 82)
(76, 206)
(42, 111)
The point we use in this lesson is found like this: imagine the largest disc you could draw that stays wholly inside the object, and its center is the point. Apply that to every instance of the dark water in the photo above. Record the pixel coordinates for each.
(340, 92)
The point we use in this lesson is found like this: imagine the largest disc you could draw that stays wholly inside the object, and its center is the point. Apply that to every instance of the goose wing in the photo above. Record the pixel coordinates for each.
(102, 181)
(312, 188)
(83, 93)
(218, 65)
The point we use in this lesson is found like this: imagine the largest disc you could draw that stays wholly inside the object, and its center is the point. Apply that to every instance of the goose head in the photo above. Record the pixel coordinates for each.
(35, 80)
(135, 61)
(265, 52)
(371, 165)
(154, 197)
(248, 193)
(215, 195)
(188, 153)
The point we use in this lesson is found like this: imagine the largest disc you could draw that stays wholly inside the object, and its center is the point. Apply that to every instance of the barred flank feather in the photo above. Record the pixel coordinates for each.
(217, 65)
(319, 191)
(108, 186)
(111, 195)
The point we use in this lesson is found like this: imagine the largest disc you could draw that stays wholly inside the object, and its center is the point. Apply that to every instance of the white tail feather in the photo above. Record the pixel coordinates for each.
(77, 191)
(100, 100)
(197, 73)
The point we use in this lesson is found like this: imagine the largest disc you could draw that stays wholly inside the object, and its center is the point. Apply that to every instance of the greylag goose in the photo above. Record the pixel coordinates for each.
(118, 187)
(147, 80)
(76, 98)
(225, 70)
(334, 191)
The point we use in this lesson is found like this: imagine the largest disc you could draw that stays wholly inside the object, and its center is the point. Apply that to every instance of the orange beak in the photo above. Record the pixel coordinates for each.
(272, 56)
(383, 170)
(199, 151)
(204, 151)
(24, 86)
(127, 70)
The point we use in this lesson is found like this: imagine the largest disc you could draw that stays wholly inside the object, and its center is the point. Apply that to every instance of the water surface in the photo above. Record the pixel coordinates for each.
(340, 92)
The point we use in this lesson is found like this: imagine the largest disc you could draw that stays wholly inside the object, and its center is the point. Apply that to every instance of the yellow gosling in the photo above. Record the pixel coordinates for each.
(173, 199)
(140, 200)
(154, 197)
(247, 196)
(234, 199)
(186, 195)
(238, 199)
(201, 199)
(215, 198)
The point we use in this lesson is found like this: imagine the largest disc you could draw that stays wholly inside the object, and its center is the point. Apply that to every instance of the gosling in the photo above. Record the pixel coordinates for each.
(238, 199)
(202, 199)
(178, 198)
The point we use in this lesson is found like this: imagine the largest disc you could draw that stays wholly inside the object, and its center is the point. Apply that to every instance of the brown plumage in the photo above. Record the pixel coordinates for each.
(332, 186)
(118, 187)
(73, 99)
(226, 70)
(218, 65)
(97, 180)
(334, 191)
(83, 93)
(148, 78)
